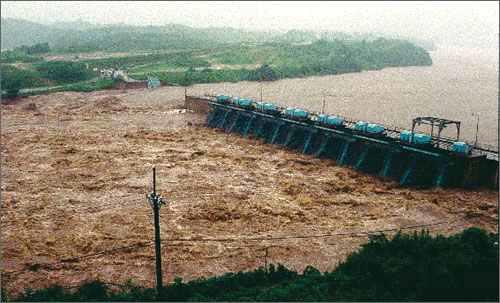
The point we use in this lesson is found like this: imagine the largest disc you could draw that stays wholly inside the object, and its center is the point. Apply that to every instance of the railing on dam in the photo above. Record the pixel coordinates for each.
(393, 132)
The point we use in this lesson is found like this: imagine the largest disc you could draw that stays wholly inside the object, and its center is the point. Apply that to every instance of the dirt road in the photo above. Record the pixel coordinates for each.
(76, 168)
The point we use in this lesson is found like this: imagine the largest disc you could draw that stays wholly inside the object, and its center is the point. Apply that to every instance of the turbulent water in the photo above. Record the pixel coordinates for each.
(460, 85)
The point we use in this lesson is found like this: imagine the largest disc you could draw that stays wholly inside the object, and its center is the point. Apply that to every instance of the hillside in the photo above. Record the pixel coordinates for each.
(16, 32)
(80, 36)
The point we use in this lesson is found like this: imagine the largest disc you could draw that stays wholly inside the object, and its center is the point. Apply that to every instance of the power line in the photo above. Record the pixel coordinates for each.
(347, 234)
(147, 244)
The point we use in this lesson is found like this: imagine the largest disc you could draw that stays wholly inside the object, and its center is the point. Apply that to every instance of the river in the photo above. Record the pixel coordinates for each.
(462, 84)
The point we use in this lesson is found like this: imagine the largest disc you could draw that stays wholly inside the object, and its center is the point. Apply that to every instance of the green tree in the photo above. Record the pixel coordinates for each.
(13, 79)
(266, 73)
(64, 71)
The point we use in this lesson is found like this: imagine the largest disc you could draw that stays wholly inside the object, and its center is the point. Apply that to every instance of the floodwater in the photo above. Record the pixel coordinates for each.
(86, 160)
(462, 84)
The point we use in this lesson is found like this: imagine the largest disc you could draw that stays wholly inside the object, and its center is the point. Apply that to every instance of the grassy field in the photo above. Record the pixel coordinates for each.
(155, 68)
(269, 61)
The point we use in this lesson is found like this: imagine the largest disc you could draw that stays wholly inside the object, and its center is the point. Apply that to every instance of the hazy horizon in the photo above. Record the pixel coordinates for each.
(471, 24)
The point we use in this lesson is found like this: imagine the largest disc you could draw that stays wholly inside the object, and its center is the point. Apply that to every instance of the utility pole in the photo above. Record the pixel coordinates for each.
(156, 201)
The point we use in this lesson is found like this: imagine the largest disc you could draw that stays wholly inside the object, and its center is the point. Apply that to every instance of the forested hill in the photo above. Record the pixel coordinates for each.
(80, 36)
(16, 32)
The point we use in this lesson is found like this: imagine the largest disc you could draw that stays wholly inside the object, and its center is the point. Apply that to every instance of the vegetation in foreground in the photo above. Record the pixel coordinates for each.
(417, 267)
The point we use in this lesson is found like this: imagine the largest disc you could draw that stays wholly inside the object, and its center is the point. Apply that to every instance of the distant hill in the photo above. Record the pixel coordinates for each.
(297, 36)
(81, 36)
(16, 32)
(79, 24)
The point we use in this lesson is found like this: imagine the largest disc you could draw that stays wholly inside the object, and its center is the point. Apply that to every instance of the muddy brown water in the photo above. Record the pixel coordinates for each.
(76, 168)
(461, 82)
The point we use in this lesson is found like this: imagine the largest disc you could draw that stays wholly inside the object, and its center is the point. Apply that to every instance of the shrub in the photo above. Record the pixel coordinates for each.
(11, 56)
(422, 267)
(89, 86)
(64, 71)
(39, 48)
(13, 79)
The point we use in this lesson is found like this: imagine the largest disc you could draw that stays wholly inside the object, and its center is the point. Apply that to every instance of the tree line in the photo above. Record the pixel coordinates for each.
(45, 73)
(281, 60)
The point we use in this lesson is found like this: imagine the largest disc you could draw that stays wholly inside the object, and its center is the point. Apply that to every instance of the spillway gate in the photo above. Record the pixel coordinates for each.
(384, 157)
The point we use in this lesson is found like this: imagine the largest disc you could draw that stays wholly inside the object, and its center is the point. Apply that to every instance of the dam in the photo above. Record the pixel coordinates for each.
(367, 147)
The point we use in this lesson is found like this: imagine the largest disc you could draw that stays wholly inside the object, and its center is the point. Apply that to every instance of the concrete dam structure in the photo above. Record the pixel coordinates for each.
(407, 157)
